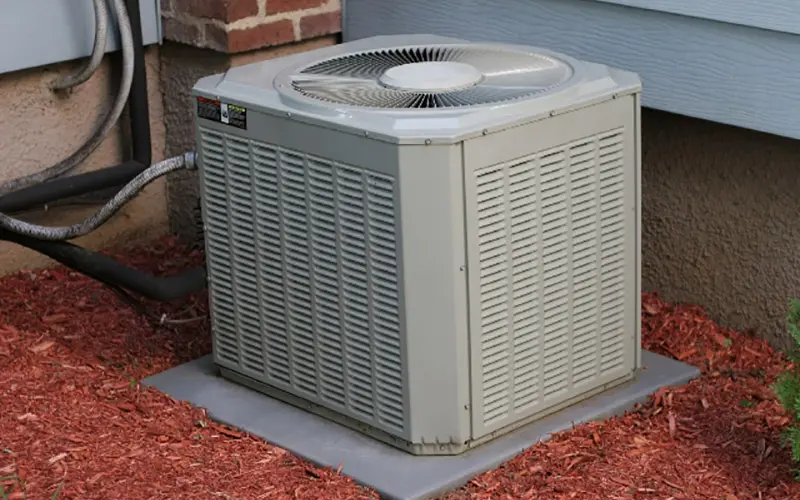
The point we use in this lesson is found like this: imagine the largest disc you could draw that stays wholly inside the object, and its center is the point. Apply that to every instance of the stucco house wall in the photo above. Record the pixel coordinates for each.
(720, 207)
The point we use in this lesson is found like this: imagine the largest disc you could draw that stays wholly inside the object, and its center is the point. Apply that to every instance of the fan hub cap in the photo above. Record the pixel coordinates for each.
(432, 76)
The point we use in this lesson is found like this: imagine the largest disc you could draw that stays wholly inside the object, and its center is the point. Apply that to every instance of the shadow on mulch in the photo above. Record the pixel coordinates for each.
(95, 322)
(75, 422)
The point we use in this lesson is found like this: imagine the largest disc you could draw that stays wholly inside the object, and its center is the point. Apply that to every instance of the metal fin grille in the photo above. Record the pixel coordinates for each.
(303, 270)
(353, 79)
(551, 246)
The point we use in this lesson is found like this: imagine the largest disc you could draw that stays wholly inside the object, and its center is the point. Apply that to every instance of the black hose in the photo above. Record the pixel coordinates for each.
(141, 146)
(67, 187)
(111, 177)
(114, 205)
(107, 270)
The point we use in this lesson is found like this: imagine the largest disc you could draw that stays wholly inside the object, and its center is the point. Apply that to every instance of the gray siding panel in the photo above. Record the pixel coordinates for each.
(53, 31)
(722, 72)
(776, 15)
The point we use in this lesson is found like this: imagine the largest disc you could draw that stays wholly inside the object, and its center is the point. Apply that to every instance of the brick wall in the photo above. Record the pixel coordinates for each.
(233, 26)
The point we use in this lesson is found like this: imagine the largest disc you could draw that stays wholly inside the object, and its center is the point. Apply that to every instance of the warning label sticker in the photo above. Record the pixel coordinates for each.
(229, 114)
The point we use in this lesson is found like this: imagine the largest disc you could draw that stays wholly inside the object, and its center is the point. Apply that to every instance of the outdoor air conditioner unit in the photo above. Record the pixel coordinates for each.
(429, 240)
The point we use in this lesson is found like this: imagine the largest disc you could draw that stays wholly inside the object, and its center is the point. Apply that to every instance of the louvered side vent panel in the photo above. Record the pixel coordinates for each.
(555, 272)
(612, 251)
(494, 279)
(269, 254)
(551, 245)
(302, 257)
(219, 258)
(382, 239)
(241, 231)
(524, 179)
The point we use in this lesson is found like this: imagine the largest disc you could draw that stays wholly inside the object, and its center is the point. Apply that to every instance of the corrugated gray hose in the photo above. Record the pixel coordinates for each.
(98, 51)
(108, 123)
(183, 162)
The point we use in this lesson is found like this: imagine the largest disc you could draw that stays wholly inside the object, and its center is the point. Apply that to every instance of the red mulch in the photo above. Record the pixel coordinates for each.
(75, 424)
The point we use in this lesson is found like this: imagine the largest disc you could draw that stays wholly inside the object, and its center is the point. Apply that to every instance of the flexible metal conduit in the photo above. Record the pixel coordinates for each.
(126, 194)
(98, 50)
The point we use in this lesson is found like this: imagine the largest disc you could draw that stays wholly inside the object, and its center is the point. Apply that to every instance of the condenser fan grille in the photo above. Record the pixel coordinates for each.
(443, 76)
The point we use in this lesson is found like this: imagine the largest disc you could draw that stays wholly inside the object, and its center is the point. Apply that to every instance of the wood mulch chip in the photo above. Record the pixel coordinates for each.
(75, 423)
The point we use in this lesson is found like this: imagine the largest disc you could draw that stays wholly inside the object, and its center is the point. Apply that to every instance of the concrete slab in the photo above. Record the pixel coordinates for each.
(393, 473)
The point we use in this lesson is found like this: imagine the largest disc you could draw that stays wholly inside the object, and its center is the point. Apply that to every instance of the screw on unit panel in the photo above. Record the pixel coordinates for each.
(485, 131)
(427, 142)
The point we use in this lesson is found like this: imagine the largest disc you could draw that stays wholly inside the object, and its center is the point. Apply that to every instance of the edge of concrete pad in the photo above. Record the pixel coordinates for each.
(394, 473)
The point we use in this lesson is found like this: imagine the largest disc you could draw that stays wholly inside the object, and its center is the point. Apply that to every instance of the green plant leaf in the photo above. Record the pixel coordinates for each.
(794, 441)
(793, 319)
(787, 390)
(58, 491)
(19, 481)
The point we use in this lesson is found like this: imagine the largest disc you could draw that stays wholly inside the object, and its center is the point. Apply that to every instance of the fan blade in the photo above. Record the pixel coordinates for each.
(516, 69)
(355, 92)
(368, 65)
(481, 94)
(531, 78)
(374, 64)
(522, 89)
(305, 80)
